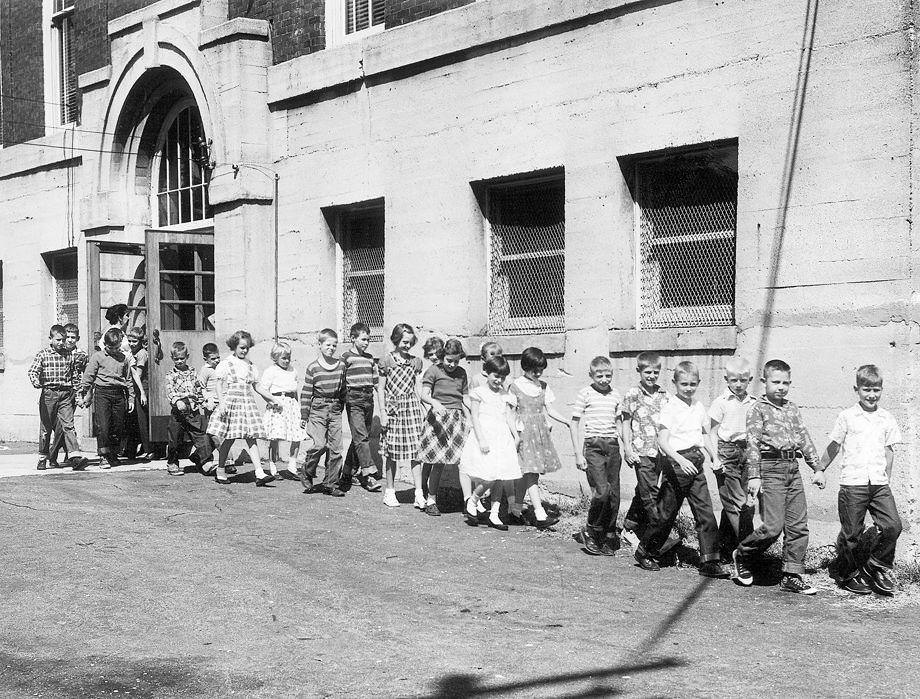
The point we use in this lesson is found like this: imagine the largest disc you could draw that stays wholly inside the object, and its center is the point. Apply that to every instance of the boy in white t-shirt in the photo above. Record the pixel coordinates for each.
(865, 434)
(682, 426)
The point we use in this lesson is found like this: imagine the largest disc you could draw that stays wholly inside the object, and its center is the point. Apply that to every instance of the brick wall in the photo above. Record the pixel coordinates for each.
(404, 11)
(91, 36)
(22, 65)
(298, 26)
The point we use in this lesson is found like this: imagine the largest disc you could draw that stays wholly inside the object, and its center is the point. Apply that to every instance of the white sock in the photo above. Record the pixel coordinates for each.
(431, 500)
(539, 512)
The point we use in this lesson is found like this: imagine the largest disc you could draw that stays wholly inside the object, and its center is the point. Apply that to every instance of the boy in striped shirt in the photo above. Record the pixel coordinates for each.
(597, 424)
(321, 402)
(361, 377)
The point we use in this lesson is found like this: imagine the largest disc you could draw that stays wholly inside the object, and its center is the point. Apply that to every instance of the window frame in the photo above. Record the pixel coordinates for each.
(54, 261)
(336, 23)
(339, 217)
(61, 109)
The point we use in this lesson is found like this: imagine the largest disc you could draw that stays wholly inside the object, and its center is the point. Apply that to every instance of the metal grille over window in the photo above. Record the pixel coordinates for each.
(64, 271)
(687, 212)
(182, 182)
(527, 257)
(65, 68)
(363, 14)
(361, 235)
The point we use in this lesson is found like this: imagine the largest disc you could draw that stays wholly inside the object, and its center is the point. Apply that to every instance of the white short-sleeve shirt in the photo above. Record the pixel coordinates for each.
(730, 412)
(863, 437)
(684, 423)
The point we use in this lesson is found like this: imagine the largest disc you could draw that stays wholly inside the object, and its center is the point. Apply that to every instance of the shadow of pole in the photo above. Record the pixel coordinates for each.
(792, 148)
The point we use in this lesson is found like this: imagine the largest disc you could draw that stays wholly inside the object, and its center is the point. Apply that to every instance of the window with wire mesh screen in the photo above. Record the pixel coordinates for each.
(360, 234)
(526, 238)
(64, 273)
(363, 14)
(686, 213)
(65, 67)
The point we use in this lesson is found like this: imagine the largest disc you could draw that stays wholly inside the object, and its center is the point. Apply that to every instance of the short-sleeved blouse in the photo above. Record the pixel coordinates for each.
(244, 369)
(447, 387)
(389, 362)
(278, 380)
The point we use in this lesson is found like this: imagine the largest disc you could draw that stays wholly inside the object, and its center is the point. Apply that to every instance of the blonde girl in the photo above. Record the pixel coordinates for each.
(281, 421)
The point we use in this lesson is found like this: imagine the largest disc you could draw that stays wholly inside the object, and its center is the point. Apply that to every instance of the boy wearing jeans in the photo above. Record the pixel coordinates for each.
(184, 395)
(108, 374)
(596, 426)
(865, 436)
(361, 377)
(774, 434)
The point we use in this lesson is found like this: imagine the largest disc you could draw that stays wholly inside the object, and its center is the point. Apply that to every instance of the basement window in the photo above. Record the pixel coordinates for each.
(359, 230)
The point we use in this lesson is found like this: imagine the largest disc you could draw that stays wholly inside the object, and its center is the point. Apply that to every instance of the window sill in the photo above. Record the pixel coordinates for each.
(550, 343)
(674, 339)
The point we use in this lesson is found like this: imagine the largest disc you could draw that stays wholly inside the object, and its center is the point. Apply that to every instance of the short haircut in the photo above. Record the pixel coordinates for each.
(686, 369)
(179, 350)
(401, 329)
(326, 334)
(433, 344)
(357, 329)
(209, 348)
(235, 338)
(454, 348)
(776, 365)
(57, 329)
(869, 375)
(280, 349)
(113, 337)
(72, 328)
(490, 346)
(600, 362)
(647, 359)
(737, 365)
(113, 314)
(533, 359)
(137, 332)
(498, 365)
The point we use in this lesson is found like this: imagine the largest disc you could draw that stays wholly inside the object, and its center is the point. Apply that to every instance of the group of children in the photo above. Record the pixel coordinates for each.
(499, 437)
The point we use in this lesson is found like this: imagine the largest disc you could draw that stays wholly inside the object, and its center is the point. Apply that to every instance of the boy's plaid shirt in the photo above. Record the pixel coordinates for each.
(52, 369)
(183, 384)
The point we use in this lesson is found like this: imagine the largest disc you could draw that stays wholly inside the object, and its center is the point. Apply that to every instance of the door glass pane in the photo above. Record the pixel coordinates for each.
(208, 311)
(207, 288)
(123, 279)
(206, 256)
(177, 287)
(177, 316)
(176, 256)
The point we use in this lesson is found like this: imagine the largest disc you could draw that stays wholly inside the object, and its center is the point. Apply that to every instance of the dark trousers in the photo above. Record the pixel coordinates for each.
(109, 408)
(56, 423)
(325, 429)
(675, 487)
(784, 511)
(138, 429)
(643, 510)
(602, 456)
(359, 405)
(190, 425)
(853, 501)
(737, 520)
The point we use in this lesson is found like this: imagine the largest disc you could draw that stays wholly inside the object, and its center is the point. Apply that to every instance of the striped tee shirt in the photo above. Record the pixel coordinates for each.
(321, 382)
(598, 410)
(360, 369)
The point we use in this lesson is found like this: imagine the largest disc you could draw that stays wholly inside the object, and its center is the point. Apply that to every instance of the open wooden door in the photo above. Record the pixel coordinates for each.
(180, 306)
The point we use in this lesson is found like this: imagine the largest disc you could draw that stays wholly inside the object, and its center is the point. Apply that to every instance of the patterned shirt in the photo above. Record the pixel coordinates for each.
(321, 382)
(863, 437)
(51, 369)
(642, 410)
(772, 426)
(360, 369)
(182, 384)
(730, 412)
(80, 359)
(599, 410)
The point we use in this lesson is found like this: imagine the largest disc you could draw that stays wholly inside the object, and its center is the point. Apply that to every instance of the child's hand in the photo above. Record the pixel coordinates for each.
(820, 479)
(716, 466)
(753, 489)
(483, 447)
(130, 406)
(686, 466)
(580, 462)
(303, 424)
(181, 406)
(630, 456)
(384, 419)
(143, 399)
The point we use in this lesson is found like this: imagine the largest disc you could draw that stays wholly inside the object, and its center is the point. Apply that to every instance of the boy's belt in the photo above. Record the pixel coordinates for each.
(286, 394)
(778, 454)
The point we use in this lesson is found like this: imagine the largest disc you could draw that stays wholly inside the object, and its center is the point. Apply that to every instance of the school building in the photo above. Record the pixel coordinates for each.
(699, 177)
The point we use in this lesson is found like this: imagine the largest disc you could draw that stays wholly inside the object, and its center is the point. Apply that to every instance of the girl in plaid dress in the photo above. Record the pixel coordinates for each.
(445, 388)
(281, 420)
(401, 420)
(237, 414)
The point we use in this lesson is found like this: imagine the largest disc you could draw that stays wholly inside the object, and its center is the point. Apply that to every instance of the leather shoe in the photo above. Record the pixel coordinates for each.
(645, 562)
(501, 526)
(78, 463)
(42, 464)
(545, 523)
(333, 492)
(879, 580)
(264, 480)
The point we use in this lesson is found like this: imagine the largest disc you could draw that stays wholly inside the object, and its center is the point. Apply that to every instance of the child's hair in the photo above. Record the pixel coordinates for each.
(72, 328)
(326, 334)
(533, 359)
(113, 337)
(209, 348)
(280, 349)
(113, 314)
(179, 350)
(357, 329)
(490, 345)
(401, 329)
(497, 365)
(600, 362)
(647, 359)
(869, 375)
(432, 344)
(454, 348)
(737, 365)
(56, 329)
(686, 369)
(136, 332)
(776, 365)
(235, 338)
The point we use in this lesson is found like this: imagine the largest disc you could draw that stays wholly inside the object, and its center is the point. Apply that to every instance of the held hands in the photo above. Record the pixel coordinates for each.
(384, 419)
(753, 490)
(716, 466)
(630, 456)
(580, 462)
(819, 479)
(181, 406)
(686, 466)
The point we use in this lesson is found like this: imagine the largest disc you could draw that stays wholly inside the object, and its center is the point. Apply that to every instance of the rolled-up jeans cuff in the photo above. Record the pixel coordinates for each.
(793, 568)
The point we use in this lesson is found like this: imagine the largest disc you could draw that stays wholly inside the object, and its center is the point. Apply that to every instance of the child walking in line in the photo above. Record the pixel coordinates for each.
(487, 351)
(433, 352)
(137, 444)
(534, 401)
(207, 379)
(774, 433)
(184, 395)
(865, 435)
(401, 419)
(108, 374)
(489, 456)
(445, 390)
(361, 379)
(281, 420)
(237, 413)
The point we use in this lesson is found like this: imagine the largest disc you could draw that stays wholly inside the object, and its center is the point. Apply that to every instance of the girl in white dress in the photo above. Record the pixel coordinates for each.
(490, 455)
(281, 420)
